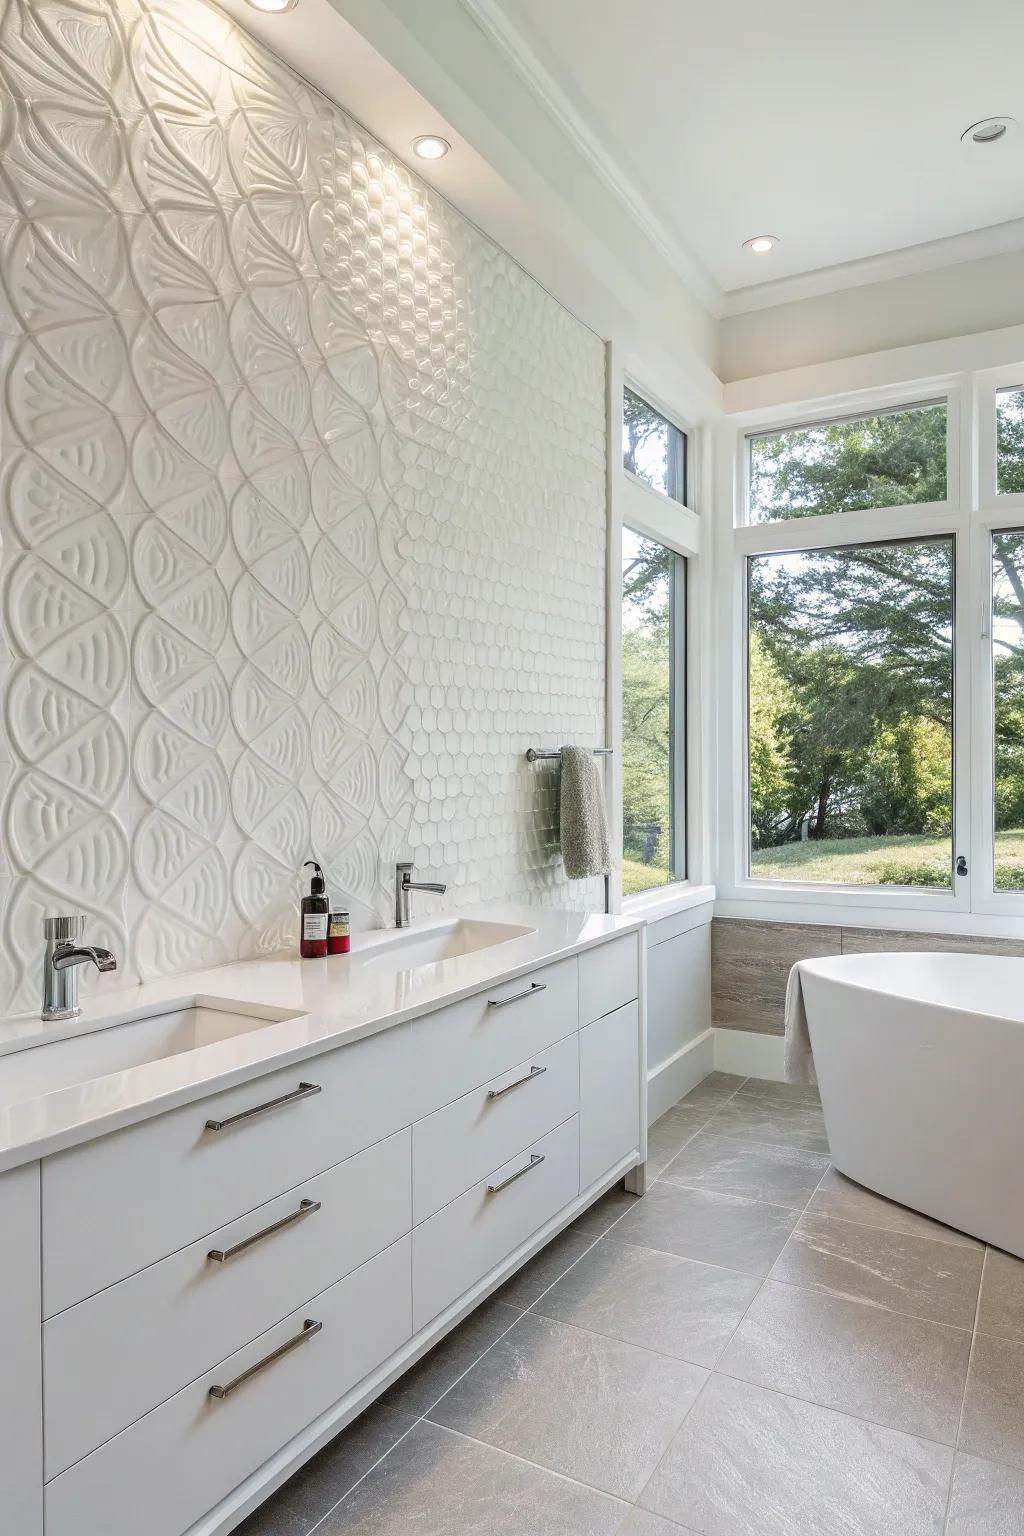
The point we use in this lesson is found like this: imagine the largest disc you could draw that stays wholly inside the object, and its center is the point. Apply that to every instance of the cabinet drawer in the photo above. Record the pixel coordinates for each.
(112, 1206)
(177, 1463)
(609, 1092)
(468, 1043)
(110, 1359)
(463, 1242)
(460, 1144)
(609, 976)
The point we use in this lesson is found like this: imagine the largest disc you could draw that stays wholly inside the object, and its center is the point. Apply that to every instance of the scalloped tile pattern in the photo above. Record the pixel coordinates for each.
(302, 506)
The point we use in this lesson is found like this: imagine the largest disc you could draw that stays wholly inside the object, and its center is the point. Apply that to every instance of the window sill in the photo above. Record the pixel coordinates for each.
(666, 901)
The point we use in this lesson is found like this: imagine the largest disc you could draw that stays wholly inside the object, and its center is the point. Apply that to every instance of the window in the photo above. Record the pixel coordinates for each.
(1010, 441)
(653, 713)
(653, 448)
(893, 458)
(850, 714)
(1008, 708)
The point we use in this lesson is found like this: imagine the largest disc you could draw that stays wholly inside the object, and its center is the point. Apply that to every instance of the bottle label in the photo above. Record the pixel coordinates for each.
(314, 926)
(339, 926)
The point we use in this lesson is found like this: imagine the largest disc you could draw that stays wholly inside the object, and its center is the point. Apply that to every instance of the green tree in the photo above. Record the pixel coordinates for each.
(771, 701)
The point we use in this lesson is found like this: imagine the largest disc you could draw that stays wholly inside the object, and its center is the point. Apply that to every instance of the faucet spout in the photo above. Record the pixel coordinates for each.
(404, 883)
(62, 957)
(66, 955)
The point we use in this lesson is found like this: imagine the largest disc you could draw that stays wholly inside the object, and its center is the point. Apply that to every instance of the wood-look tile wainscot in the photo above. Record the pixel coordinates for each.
(751, 962)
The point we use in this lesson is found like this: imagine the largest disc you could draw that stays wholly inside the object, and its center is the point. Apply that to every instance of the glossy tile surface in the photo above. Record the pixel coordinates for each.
(725, 1167)
(714, 1229)
(987, 1499)
(752, 1461)
(438, 1484)
(861, 1359)
(655, 1300)
(592, 1408)
(906, 1273)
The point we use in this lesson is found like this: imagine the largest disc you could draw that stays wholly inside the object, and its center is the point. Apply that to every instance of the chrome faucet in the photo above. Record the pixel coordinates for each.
(404, 883)
(62, 957)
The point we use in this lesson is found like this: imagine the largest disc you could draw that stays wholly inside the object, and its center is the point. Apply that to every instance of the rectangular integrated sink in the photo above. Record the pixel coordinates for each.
(42, 1069)
(405, 950)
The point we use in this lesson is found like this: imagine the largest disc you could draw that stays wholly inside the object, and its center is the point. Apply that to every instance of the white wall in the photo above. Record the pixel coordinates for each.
(952, 301)
(303, 508)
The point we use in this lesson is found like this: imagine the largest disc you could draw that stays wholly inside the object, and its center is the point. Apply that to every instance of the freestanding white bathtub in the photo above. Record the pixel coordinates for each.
(920, 1063)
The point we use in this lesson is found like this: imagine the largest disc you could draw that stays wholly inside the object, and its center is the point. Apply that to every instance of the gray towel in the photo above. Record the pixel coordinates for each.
(583, 825)
(799, 1061)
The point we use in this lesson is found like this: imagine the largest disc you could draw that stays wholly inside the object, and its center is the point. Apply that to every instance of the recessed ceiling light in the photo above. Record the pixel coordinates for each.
(761, 244)
(273, 5)
(990, 130)
(430, 147)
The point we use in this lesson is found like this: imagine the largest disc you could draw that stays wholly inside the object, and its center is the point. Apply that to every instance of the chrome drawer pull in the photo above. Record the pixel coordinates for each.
(221, 1255)
(531, 990)
(303, 1091)
(499, 1093)
(309, 1327)
(536, 1158)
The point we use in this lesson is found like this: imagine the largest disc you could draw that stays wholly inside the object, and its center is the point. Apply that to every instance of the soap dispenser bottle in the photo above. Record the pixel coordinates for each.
(313, 915)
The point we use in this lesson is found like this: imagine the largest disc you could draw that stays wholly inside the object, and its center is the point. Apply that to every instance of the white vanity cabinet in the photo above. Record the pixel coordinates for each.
(21, 1386)
(224, 1285)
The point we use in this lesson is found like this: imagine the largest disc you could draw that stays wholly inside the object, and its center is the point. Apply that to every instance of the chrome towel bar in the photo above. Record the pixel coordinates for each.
(535, 754)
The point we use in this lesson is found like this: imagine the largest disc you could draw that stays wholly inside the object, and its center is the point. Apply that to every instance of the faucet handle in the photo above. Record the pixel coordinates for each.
(64, 930)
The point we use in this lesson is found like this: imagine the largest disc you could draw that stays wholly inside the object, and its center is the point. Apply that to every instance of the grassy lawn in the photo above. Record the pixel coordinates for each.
(637, 877)
(883, 861)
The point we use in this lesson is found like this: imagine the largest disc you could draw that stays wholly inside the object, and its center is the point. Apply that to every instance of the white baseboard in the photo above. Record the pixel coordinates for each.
(749, 1054)
(670, 1079)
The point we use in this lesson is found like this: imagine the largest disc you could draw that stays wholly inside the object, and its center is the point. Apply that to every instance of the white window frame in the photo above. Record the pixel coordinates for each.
(656, 515)
(967, 398)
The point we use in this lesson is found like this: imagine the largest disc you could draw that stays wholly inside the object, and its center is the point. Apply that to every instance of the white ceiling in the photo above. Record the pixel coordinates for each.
(833, 125)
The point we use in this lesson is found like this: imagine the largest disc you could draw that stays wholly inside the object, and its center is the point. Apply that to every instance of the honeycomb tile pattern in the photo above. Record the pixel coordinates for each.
(303, 507)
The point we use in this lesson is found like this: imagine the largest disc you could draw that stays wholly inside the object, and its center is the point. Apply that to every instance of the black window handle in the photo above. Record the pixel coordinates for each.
(961, 865)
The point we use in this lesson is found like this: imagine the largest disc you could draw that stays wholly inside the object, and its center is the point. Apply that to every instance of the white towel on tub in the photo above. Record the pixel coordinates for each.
(799, 1059)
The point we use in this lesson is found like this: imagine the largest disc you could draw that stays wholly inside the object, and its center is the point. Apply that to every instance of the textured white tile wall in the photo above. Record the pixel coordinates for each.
(303, 506)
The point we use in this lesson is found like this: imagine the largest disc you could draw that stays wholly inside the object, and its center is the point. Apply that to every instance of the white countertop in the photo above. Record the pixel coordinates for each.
(329, 1002)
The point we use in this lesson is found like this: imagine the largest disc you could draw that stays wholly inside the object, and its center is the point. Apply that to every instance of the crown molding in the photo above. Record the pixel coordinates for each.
(909, 261)
(494, 22)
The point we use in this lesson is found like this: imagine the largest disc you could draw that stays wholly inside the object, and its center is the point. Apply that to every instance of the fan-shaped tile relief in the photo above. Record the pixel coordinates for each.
(303, 463)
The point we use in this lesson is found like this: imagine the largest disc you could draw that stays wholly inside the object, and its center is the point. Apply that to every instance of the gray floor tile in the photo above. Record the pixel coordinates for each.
(764, 1122)
(318, 1486)
(909, 1274)
(605, 1212)
(715, 1088)
(773, 1174)
(670, 1134)
(842, 1198)
(656, 1300)
(542, 1271)
(420, 1387)
(897, 1371)
(642, 1523)
(754, 1463)
(714, 1229)
(779, 1093)
(987, 1500)
(592, 1408)
(1001, 1309)
(439, 1484)
(993, 1421)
